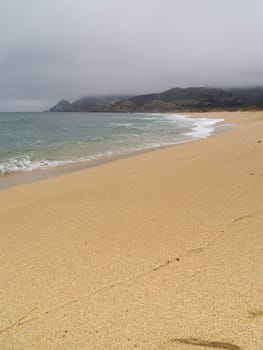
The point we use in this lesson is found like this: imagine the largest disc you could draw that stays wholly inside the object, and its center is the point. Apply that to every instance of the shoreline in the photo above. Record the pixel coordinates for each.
(24, 177)
(162, 250)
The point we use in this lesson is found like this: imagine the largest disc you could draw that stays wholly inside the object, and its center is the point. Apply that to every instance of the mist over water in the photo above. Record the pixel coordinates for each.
(65, 49)
(31, 141)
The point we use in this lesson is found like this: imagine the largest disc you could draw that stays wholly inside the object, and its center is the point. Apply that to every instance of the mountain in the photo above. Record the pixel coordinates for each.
(62, 106)
(88, 104)
(173, 100)
(194, 99)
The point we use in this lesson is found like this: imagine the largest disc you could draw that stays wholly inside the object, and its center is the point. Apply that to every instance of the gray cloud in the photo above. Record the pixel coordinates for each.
(63, 48)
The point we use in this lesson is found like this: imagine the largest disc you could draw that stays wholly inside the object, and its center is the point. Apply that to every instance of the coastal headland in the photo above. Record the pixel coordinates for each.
(161, 250)
(191, 99)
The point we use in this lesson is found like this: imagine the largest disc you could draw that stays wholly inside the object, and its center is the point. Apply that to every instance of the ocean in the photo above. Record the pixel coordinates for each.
(36, 141)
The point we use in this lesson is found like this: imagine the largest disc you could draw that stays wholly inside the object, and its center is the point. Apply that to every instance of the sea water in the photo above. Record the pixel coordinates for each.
(35, 141)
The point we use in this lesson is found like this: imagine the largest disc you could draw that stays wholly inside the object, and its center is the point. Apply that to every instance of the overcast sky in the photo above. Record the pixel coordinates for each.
(53, 49)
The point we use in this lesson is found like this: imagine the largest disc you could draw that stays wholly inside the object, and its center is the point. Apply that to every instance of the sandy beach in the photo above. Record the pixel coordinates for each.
(162, 250)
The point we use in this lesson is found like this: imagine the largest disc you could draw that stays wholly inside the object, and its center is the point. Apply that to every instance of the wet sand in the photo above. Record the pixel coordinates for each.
(162, 250)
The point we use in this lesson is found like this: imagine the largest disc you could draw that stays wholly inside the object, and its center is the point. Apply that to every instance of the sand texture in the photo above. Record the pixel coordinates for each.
(163, 250)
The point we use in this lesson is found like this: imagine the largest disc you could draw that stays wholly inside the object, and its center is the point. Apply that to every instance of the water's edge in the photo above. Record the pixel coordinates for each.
(20, 178)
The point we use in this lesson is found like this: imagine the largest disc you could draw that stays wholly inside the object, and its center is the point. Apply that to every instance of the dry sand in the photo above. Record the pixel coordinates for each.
(162, 250)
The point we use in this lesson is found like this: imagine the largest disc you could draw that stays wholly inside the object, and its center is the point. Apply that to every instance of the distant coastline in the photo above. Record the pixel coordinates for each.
(192, 99)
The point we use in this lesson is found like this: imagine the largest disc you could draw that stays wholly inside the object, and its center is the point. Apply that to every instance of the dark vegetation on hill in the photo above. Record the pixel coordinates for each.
(173, 100)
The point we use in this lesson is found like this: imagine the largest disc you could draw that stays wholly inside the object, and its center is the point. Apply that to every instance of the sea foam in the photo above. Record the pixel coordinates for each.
(45, 140)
